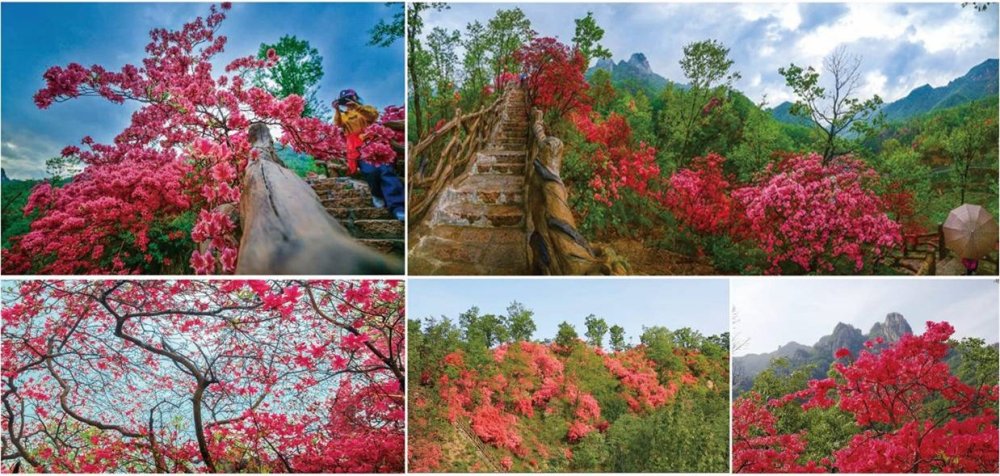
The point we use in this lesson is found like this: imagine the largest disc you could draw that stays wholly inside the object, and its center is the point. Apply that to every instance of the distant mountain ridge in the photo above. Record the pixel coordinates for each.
(636, 69)
(981, 81)
(747, 367)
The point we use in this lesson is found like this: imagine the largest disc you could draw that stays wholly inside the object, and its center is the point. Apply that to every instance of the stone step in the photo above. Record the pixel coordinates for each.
(519, 148)
(488, 189)
(498, 164)
(498, 169)
(506, 156)
(361, 213)
(346, 202)
(513, 134)
(343, 194)
(479, 215)
(387, 246)
(387, 229)
(466, 250)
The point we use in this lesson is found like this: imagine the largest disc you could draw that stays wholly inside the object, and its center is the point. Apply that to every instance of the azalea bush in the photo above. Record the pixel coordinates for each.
(200, 376)
(911, 413)
(806, 217)
(182, 155)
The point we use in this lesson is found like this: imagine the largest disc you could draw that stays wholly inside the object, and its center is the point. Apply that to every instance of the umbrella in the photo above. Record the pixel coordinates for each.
(970, 231)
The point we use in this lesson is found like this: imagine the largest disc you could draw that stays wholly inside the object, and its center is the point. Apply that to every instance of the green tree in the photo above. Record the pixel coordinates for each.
(298, 72)
(596, 328)
(617, 338)
(688, 338)
(901, 168)
(482, 331)
(828, 429)
(837, 110)
(761, 137)
(587, 37)
(709, 72)
(590, 454)
(978, 362)
(475, 63)
(442, 45)
(417, 59)
(505, 33)
(973, 151)
(566, 336)
(428, 342)
(385, 33)
(520, 322)
(659, 342)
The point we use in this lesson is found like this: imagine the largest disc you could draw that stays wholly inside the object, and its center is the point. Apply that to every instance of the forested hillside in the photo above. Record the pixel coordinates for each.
(487, 396)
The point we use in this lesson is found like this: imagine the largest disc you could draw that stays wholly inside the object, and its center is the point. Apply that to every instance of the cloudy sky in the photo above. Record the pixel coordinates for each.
(700, 304)
(774, 311)
(37, 36)
(903, 46)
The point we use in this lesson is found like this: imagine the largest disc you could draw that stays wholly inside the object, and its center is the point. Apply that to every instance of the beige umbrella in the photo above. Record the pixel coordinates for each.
(970, 232)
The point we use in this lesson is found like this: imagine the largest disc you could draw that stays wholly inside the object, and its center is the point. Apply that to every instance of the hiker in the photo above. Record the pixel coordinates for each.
(386, 187)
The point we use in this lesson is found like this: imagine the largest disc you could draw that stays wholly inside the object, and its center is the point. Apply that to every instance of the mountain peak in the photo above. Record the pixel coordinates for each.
(639, 61)
(605, 64)
(893, 328)
(635, 71)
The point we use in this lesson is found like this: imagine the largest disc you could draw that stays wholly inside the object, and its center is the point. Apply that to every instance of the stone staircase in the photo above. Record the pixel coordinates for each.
(350, 202)
(477, 224)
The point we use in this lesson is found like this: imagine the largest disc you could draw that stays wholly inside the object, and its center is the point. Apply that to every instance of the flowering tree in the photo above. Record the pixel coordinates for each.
(179, 160)
(912, 415)
(804, 215)
(617, 163)
(555, 71)
(234, 376)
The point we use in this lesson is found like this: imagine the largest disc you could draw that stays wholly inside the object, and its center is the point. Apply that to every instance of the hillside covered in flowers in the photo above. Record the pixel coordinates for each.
(486, 395)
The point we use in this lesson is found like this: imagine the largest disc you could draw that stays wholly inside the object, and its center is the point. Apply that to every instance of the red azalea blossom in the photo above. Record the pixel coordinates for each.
(889, 394)
(262, 376)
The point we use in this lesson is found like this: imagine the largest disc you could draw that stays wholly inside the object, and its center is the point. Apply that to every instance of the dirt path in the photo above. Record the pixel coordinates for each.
(647, 260)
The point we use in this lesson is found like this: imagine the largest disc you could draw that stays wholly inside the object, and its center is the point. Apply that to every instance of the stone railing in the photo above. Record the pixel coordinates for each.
(555, 246)
(445, 154)
(286, 230)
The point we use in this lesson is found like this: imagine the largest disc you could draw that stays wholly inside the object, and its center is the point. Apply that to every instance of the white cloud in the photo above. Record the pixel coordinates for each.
(787, 14)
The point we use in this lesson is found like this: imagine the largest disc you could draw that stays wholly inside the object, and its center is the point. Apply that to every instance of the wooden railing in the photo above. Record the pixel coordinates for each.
(555, 246)
(286, 229)
(445, 154)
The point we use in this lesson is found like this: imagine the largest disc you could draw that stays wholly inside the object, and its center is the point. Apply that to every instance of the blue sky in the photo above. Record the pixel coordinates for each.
(37, 36)
(774, 311)
(903, 46)
(700, 304)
